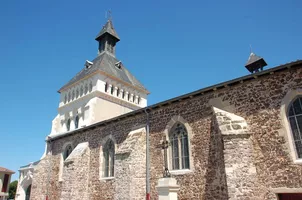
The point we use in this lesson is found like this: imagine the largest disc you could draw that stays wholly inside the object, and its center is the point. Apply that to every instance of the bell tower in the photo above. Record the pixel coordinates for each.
(103, 89)
(107, 39)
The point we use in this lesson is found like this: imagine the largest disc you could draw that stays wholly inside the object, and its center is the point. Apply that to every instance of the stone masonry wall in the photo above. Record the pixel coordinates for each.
(258, 101)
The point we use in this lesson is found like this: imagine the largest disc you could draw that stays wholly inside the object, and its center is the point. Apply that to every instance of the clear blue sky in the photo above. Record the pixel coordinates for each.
(172, 47)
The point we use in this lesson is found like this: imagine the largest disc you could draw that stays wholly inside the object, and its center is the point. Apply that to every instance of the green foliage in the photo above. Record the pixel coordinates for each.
(12, 190)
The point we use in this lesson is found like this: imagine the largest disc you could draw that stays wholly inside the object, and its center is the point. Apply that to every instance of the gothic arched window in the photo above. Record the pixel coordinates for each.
(295, 120)
(67, 151)
(68, 125)
(65, 98)
(108, 154)
(76, 122)
(178, 137)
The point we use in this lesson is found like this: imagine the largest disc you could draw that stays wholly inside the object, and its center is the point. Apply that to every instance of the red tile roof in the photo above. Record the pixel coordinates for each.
(2, 169)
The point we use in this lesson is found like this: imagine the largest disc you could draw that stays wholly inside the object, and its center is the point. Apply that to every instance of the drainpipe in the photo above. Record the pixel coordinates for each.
(147, 157)
(49, 167)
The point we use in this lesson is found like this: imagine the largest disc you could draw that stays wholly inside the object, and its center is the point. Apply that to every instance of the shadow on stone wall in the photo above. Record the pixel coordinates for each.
(215, 183)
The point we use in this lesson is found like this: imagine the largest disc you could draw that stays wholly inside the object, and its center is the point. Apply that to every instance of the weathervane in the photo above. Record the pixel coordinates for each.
(108, 15)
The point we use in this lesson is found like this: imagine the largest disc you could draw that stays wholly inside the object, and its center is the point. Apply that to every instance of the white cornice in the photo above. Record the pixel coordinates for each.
(104, 96)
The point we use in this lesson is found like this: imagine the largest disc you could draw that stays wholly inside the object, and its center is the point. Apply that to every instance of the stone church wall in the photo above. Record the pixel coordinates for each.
(258, 101)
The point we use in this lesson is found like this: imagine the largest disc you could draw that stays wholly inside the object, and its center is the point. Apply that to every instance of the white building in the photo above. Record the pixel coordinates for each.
(5, 177)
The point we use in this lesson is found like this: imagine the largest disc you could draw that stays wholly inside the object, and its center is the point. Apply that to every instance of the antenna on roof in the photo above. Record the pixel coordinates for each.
(251, 51)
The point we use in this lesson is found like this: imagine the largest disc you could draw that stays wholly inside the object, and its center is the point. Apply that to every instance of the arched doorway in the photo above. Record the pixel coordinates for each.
(27, 194)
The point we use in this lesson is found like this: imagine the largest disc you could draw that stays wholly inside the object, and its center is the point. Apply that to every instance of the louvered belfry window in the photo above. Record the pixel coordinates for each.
(295, 119)
(179, 145)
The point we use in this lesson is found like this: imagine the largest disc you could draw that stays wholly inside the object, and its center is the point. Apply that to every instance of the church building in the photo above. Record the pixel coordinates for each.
(237, 140)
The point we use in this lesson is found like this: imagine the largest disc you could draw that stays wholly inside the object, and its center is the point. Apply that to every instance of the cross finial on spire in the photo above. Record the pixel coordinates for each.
(251, 51)
(108, 15)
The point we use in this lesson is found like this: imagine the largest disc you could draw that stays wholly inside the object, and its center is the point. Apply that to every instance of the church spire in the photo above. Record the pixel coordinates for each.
(107, 38)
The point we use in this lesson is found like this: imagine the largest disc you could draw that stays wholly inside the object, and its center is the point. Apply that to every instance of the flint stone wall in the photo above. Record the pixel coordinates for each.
(258, 101)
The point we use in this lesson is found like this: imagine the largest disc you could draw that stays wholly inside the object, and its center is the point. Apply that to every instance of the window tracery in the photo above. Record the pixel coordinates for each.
(179, 147)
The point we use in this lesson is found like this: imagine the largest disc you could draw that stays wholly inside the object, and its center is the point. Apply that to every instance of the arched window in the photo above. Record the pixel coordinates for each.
(295, 120)
(90, 87)
(81, 90)
(178, 137)
(112, 89)
(69, 97)
(118, 92)
(65, 98)
(86, 89)
(108, 154)
(73, 95)
(27, 193)
(76, 122)
(68, 124)
(77, 93)
(67, 151)
(123, 94)
(106, 87)
(138, 100)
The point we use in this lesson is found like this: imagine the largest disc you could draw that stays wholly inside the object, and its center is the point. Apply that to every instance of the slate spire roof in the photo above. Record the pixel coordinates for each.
(255, 63)
(107, 29)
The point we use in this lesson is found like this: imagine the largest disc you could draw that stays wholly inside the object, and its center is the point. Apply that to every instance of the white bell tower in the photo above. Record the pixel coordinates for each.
(103, 89)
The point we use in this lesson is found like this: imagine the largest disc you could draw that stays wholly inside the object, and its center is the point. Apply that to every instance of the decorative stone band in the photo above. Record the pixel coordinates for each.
(230, 124)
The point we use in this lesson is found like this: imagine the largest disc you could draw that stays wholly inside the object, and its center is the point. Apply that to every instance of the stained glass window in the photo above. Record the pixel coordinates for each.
(295, 120)
(179, 145)
(108, 153)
